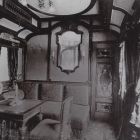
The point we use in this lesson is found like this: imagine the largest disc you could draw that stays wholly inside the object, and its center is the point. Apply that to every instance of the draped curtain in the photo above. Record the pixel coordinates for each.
(132, 65)
(13, 63)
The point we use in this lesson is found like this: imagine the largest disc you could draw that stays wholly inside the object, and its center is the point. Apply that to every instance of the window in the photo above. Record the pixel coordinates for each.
(4, 76)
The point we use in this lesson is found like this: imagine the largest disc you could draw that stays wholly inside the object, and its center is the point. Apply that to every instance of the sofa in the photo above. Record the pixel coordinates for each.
(54, 94)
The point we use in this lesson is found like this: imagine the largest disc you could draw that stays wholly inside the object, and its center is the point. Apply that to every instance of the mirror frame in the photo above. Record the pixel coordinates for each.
(68, 48)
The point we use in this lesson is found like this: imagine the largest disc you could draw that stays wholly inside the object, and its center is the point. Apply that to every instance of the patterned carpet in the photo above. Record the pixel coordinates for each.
(99, 131)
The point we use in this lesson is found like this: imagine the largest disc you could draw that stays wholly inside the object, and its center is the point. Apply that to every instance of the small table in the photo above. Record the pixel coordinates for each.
(20, 114)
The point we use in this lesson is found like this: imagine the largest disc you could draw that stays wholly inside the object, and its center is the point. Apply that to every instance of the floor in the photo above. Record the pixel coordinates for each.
(99, 131)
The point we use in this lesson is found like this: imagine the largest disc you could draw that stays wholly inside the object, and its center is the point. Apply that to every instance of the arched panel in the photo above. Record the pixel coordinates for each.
(24, 33)
(115, 28)
(10, 25)
(124, 4)
(117, 17)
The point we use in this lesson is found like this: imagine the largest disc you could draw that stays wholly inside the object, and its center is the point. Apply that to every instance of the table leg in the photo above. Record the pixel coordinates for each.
(23, 131)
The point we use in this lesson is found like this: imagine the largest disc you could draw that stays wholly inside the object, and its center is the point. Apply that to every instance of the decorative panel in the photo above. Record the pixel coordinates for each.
(104, 52)
(104, 80)
(104, 107)
(81, 73)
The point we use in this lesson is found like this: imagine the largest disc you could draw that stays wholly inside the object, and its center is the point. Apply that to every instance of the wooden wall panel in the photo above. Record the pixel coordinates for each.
(81, 74)
(36, 58)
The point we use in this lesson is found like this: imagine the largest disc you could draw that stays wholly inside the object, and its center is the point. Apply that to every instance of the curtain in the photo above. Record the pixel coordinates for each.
(13, 63)
(122, 71)
(132, 72)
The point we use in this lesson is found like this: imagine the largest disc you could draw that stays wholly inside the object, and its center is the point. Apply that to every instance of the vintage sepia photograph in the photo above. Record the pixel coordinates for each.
(69, 69)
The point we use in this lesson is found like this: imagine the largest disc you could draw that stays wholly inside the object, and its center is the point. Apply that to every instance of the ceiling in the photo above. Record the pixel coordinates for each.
(112, 12)
(59, 7)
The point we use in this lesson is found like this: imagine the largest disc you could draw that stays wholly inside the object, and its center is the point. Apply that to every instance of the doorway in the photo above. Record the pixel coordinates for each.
(101, 71)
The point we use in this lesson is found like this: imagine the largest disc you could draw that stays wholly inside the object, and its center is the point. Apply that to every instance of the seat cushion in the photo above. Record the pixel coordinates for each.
(49, 121)
(45, 130)
(79, 116)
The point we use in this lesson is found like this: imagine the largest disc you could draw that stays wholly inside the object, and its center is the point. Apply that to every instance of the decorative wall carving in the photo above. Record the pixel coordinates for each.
(104, 107)
(104, 52)
(104, 80)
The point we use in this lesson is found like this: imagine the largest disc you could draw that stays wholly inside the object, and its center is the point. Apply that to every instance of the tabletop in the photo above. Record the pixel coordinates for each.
(21, 111)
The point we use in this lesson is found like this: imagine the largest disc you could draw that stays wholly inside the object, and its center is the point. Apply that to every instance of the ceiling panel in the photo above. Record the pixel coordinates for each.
(114, 28)
(61, 7)
(117, 17)
(124, 4)
(10, 25)
(94, 10)
(24, 33)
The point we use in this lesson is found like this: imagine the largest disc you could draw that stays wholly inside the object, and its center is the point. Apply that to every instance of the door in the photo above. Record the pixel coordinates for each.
(102, 82)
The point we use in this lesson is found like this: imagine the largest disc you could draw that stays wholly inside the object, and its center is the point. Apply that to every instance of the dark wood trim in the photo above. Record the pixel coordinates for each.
(115, 33)
(59, 82)
(105, 42)
(50, 28)
(93, 28)
(26, 9)
(39, 23)
(8, 15)
(65, 18)
(6, 30)
(11, 44)
(115, 25)
(20, 30)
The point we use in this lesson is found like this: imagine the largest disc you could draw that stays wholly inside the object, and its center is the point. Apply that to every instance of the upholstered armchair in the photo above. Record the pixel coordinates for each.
(52, 129)
(80, 108)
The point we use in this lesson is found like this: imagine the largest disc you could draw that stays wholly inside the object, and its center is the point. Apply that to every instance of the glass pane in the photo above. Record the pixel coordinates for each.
(20, 65)
(4, 76)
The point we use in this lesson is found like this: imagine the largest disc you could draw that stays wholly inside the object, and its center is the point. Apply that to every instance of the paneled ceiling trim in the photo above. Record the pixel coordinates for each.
(34, 22)
(24, 33)
(117, 17)
(124, 4)
(44, 24)
(120, 9)
(26, 9)
(8, 24)
(115, 28)
(7, 30)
